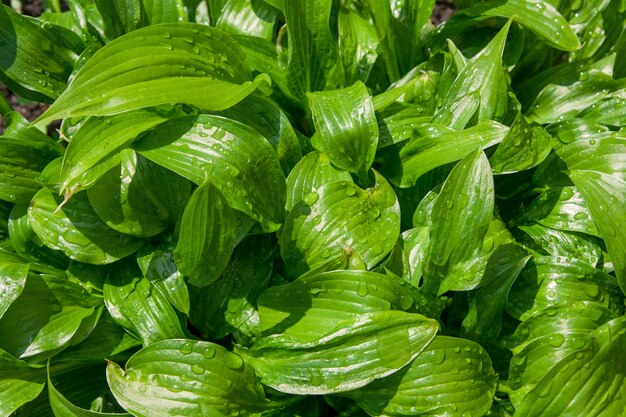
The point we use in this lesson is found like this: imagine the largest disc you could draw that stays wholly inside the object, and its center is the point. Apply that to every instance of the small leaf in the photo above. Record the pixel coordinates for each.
(12, 280)
(186, 377)
(20, 382)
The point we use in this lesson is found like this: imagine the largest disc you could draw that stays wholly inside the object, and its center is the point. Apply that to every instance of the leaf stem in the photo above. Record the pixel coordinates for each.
(5, 106)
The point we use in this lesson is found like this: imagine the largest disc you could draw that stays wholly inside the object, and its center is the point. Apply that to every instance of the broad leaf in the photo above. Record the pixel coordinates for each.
(606, 197)
(140, 307)
(450, 377)
(377, 344)
(185, 377)
(20, 383)
(170, 63)
(12, 280)
(138, 197)
(435, 146)
(240, 162)
(76, 230)
(341, 218)
(346, 127)
(207, 236)
(463, 211)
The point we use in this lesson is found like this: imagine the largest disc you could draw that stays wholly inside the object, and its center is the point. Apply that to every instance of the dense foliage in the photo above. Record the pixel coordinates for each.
(314, 208)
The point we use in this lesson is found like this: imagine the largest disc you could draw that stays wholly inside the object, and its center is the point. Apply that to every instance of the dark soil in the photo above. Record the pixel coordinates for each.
(442, 12)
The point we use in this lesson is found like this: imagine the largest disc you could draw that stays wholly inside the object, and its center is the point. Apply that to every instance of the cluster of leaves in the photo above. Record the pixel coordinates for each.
(314, 208)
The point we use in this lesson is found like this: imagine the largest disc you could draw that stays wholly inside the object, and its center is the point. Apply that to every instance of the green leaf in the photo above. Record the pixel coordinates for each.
(377, 344)
(240, 162)
(436, 146)
(484, 318)
(21, 162)
(341, 218)
(313, 52)
(46, 317)
(586, 381)
(346, 127)
(310, 173)
(94, 148)
(451, 376)
(140, 307)
(480, 90)
(163, 11)
(248, 17)
(522, 148)
(139, 197)
(547, 281)
(318, 303)
(539, 16)
(76, 230)
(185, 377)
(606, 197)
(20, 383)
(26, 243)
(358, 45)
(158, 265)
(170, 63)
(409, 254)
(34, 61)
(85, 386)
(230, 302)
(207, 236)
(12, 280)
(463, 211)
(119, 16)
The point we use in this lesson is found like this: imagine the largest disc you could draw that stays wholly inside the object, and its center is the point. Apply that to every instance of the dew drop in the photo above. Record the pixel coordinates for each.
(233, 361)
(209, 352)
(198, 370)
(186, 348)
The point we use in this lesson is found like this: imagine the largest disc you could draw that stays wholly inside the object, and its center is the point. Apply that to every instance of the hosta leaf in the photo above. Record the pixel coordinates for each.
(21, 162)
(76, 230)
(463, 211)
(522, 148)
(557, 102)
(230, 302)
(586, 381)
(138, 197)
(562, 208)
(542, 341)
(33, 61)
(20, 383)
(169, 63)
(606, 197)
(139, 307)
(346, 127)
(119, 16)
(547, 281)
(163, 11)
(358, 45)
(360, 350)
(450, 377)
(26, 243)
(309, 174)
(207, 236)
(248, 17)
(46, 317)
(158, 265)
(480, 89)
(436, 146)
(270, 120)
(240, 162)
(408, 256)
(484, 318)
(98, 142)
(341, 218)
(568, 244)
(12, 280)
(312, 49)
(537, 15)
(106, 340)
(318, 303)
(85, 389)
(185, 377)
